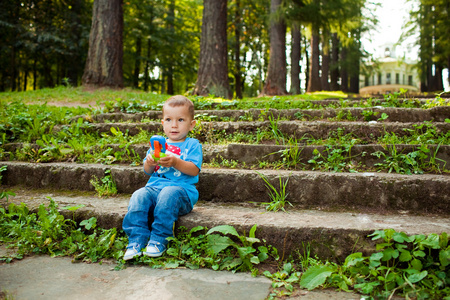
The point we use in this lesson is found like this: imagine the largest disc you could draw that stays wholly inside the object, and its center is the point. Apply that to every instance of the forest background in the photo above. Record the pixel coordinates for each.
(231, 48)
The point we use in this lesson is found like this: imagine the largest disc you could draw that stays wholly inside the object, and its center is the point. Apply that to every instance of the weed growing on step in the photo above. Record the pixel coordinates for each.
(47, 232)
(414, 162)
(276, 132)
(414, 267)
(4, 194)
(106, 186)
(277, 196)
(291, 156)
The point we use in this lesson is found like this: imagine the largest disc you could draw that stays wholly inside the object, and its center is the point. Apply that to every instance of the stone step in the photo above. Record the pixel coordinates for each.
(252, 155)
(306, 189)
(395, 114)
(357, 154)
(330, 235)
(289, 129)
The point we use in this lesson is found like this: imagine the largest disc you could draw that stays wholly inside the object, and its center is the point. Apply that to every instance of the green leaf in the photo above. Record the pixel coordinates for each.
(252, 232)
(315, 276)
(401, 237)
(224, 229)
(367, 287)
(353, 259)
(417, 277)
(254, 260)
(73, 208)
(444, 257)
(390, 253)
(88, 224)
(374, 259)
(172, 265)
(405, 256)
(218, 243)
(432, 241)
(417, 264)
(419, 253)
(443, 240)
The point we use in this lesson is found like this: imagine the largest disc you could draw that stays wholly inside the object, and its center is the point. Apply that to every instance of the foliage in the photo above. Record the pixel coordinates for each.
(414, 162)
(106, 186)
(415, 267)
(47, 232)
(4, 194)
(277, 196)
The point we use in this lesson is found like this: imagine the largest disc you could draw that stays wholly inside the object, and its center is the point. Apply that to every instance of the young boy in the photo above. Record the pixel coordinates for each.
(170, 192)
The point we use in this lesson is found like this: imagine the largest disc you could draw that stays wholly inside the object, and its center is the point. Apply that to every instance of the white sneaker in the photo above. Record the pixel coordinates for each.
(154, 249)
(131, 253)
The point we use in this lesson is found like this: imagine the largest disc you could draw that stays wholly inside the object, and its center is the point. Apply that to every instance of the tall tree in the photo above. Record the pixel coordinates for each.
(325, 60)
(314, 83)
(431, 20)
(276, 73)
(295, 58)
(334, 65)
(212, 75)
(105, 56)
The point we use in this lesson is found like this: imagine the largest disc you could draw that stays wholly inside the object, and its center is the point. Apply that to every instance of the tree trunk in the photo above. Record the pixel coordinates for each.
(137, 63)
(237, 51)
(308, 63)
(276, 72)
(344, 71)
(314, 79)
(147, 66)
(213, 67)
(325, 61)
(334, 67)
(105, 55)
(35, 72)
(171, 26)
(296, 56)
(73, 65)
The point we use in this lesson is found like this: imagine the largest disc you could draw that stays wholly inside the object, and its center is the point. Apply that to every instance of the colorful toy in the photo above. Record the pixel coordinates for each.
(159, 146)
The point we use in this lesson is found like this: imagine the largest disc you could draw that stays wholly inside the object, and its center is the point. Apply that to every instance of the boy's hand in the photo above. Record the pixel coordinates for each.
(150, 162)
(168, 161)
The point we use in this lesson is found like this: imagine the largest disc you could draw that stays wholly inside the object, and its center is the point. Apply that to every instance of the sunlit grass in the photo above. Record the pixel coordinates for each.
(81, 95)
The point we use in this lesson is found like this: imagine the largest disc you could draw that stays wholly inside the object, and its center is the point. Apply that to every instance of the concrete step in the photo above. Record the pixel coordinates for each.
(253, 154)
(330, 235)
(357, 154)
(395, 114)
(369, 132)
(306, 189)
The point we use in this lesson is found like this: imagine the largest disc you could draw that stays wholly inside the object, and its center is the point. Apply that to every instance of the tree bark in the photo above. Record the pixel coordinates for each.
(213, 67)
(334, 67)
(276, 72)
(344, 71)
(314, 79)
(325, 61)
(105, 55)
(137, 63)
(237, 51)
(147, 66)
(295, 59)
(171, 25)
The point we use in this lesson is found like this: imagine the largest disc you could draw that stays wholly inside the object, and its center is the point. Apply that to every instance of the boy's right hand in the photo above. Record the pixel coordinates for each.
(150, 162)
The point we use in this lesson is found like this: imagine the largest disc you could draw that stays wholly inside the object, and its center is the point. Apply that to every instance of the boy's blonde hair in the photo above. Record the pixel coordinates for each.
(180, 100)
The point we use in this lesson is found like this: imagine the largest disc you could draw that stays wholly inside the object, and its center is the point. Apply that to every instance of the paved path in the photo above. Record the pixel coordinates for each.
(43, 277)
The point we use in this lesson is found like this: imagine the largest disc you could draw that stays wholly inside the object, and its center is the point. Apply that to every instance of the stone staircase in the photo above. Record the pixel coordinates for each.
(331, 212)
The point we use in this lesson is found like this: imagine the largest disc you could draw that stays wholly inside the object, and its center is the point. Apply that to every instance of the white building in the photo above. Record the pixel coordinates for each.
(390, 74)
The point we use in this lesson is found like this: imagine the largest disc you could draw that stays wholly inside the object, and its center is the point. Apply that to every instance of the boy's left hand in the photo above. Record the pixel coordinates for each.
(168, 161)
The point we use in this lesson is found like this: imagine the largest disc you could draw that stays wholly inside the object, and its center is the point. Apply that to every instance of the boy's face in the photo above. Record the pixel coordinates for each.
(177, 123)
